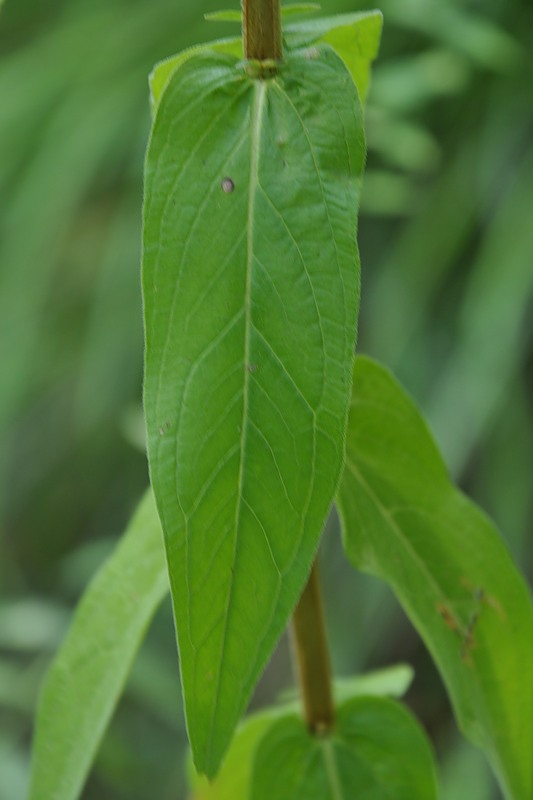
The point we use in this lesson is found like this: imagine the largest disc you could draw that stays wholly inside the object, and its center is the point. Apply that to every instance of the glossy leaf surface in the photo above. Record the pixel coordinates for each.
(377, 752)
(404, 521)
(250, 280)
(88, 674)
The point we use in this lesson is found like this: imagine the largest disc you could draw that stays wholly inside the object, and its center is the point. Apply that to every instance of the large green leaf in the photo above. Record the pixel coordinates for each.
(404, 521)
(88, 674)
(377, 752)
(250, 280)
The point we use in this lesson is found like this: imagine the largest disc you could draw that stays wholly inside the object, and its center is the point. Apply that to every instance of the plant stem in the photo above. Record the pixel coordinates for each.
(312, 657)
(261, 30)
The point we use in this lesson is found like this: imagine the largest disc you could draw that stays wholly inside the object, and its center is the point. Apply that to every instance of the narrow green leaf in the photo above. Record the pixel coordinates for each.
(404, 521)
(377, 751)
(229, 15)
(293, 9)
(286, 11)
(388, 682)
(250, 280)
(354, 37)
(87, 677)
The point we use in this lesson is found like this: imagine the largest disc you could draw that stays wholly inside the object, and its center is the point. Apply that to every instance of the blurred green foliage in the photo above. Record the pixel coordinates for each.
(446, 238)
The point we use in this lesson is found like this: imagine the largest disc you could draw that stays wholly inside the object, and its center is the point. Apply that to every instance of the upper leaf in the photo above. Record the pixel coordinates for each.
(290, 10)
(88, 674)
(404, 521)
(377, 751)
(251, 283)
(354, 37)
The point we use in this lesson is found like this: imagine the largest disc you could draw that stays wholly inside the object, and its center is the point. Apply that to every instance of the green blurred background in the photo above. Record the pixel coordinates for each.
(446, 235)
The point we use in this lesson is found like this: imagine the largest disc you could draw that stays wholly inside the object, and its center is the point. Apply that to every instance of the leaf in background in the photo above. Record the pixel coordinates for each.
(377, 750)
(32, 624)
(409, 83)
(404, 521)
(484, 43)
(87, 677)
(354, 37)
(293, 9)
(286, 11)
(230, 15)
(496, 306)
(388, 682)
(250, 280)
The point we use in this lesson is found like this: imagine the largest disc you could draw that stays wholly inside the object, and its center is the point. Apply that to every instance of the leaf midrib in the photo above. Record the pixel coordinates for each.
(255, 141)
(332, 770)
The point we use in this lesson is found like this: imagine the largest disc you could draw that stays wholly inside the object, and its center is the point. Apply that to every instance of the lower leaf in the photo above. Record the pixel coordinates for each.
(88, 674)
(377, 751)
(404, 521)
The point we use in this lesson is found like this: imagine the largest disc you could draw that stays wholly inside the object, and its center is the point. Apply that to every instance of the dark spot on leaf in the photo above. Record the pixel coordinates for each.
(227, 185)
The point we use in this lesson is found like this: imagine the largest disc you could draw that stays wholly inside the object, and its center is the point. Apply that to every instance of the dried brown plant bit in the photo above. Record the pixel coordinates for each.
(448, 617)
